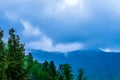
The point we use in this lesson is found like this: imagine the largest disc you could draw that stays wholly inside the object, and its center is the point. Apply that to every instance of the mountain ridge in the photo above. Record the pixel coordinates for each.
(98, 65)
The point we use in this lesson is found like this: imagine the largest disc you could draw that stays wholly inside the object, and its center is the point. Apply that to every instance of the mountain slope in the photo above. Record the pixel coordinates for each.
(98, 65)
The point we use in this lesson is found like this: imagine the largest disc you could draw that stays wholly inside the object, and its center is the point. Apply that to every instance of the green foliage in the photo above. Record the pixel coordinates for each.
(52, 70)
(3, 58)
(1, 41)
(68, 72)
(81, 75)
(61, 72)
(15, 65)
(15, 56)
(65, 72)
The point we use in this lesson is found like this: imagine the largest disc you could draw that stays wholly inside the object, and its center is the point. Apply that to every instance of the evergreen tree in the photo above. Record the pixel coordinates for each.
(52, 69)
(61, 72)
(45, 66)
(28, 62)
(68, 72)
(65, 72)
(35, 70)
(81, 75)
(3, 59)
(15, 57)
(15, 65)
(1, 42)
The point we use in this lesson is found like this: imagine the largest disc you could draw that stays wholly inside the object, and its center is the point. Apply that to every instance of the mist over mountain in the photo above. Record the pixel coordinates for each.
(98, 65)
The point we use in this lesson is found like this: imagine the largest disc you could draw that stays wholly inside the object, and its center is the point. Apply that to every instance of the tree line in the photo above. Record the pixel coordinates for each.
(16, 65)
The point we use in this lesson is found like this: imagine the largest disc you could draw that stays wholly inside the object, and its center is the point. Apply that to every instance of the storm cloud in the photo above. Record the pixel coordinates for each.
(89, 24)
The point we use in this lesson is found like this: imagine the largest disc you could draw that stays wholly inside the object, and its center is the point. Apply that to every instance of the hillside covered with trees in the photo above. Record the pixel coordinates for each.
(16, 65)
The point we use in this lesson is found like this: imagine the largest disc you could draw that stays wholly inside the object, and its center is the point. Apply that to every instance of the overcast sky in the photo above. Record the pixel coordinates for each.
(63, 25)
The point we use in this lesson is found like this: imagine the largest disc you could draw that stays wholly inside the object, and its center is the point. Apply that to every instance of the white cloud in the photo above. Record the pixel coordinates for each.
(110, 50)
(68, 47)
(65, 9)
(45, 43)
(71, 2)
(62, 8)
(29, 30)
(66, 4)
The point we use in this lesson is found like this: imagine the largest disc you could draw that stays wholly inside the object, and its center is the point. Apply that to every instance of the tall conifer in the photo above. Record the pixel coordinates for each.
(15, 57)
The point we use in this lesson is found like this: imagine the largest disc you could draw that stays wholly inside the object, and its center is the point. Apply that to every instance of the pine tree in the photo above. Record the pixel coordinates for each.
(45, 66)
(15, 56)
(68, 72)
(52, 70)
(28, 62)
(1, 42)
(81, 75)
(61, 72)
(65, 72)
(35, 70)
(3, 59)
(14, 65)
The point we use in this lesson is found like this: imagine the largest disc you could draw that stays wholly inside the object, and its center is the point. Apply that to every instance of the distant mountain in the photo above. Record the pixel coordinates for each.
(98, 65)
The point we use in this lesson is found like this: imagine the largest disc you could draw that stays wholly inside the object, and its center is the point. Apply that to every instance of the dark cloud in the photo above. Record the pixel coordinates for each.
(93, 23)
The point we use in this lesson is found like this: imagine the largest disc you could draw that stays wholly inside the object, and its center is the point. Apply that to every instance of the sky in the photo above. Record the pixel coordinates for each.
(63, 25)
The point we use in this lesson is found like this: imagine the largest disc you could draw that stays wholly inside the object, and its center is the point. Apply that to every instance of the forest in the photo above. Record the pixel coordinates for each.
(15, 64)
